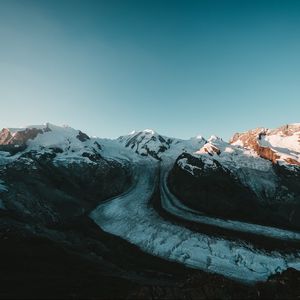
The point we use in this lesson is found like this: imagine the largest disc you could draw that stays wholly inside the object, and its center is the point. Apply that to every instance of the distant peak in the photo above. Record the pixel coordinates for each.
(214, 138)
(132, 132)
(149, 131)
(146, 131)
(198, 137)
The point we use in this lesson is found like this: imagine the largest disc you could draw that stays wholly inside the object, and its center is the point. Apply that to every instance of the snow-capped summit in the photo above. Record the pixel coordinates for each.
(210, 149)
(149, 143)
(259, 158)
(146, 142)
(149, 131)
(65, 142)
(198, 137)
(280, 145)
(214, 138)
(43, 135)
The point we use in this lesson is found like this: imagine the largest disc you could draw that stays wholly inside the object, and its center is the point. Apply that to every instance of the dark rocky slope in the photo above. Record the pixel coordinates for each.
(217, 192)
(38, 268)
(42, 192)
(101, 266)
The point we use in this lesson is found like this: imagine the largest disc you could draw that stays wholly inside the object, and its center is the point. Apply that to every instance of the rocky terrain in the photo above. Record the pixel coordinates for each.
(254, 164)
(149, 217)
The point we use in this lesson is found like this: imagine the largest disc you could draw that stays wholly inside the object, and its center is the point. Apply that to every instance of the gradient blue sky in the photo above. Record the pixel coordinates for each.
(179, 67)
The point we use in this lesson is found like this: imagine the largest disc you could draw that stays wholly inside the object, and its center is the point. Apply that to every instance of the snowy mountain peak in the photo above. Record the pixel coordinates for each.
(198, 137)
(64, 142)
(210, 149)
(149, 131)
(280, 145)
(214, 138)
(132, 132)
(146, 143)
(21, 136)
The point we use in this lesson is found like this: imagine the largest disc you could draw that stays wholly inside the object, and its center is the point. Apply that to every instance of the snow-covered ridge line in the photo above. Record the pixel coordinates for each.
(65, 143)
(280, 145)
(149, 143)
(21, 136)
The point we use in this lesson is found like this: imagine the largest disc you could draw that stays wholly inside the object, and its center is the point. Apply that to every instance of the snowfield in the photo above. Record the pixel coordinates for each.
(130, 217)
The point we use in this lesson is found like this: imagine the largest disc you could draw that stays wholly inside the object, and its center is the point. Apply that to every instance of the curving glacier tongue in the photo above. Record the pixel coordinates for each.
(130, 217)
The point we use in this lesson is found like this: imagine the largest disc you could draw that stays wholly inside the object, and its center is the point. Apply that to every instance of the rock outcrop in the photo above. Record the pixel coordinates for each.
(15, 141)
(281, 144)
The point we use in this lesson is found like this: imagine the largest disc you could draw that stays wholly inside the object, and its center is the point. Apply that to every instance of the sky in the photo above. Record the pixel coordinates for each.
(182, 68)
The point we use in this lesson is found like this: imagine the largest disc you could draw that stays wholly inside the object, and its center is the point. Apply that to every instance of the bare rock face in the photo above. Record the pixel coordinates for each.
(82, 136)
(21, 137)
(18, 138)
(250, 140)
(5, 136)
(269, 144)
(14, 142)
(210, 149)
(266, 153)
(292, 161)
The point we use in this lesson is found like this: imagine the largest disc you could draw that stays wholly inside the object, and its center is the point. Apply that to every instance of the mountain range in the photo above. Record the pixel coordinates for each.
(148, 213)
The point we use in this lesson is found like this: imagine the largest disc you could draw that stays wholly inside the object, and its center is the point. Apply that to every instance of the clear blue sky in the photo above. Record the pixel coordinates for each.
(179, 67)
